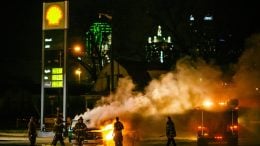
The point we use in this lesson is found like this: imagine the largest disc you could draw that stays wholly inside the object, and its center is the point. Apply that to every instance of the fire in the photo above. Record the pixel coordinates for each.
(207, 103)
(107, 132)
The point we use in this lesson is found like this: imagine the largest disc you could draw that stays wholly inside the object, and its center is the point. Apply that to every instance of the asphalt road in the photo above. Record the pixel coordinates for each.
(47, 142)
(20, 139)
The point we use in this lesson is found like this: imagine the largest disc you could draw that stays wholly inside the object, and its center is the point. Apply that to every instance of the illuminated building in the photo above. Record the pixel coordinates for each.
(209, 41)
(98, 43)
(160, 51)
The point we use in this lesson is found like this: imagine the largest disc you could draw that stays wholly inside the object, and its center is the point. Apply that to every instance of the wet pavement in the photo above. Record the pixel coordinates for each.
(20, 139)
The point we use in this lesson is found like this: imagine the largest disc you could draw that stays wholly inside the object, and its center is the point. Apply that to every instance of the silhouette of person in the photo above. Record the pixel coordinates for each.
(80, 130)
(32, 134)
(58, 129)
(170, 132)
(118, 136)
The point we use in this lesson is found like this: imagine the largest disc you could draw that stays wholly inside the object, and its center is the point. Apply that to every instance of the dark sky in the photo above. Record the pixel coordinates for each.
(20, 33)
(21, 25)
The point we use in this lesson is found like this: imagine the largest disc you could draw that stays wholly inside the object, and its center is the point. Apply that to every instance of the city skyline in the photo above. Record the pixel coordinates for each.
(23, 27)
(133, 22)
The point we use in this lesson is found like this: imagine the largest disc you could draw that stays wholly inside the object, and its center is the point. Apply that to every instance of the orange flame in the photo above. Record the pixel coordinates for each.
(107, 132)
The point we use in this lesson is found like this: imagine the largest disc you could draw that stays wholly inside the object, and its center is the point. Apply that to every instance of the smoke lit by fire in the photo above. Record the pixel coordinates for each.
(178, 92)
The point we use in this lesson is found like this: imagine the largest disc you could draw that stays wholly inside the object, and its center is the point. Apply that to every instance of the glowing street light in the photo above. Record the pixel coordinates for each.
(78, 72)
(77, 48)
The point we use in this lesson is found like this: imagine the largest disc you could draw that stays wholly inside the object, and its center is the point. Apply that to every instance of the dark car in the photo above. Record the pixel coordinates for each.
(93, 136)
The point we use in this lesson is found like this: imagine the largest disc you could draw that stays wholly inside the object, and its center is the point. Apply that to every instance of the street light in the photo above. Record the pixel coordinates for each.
(78, 72)
(77, 50)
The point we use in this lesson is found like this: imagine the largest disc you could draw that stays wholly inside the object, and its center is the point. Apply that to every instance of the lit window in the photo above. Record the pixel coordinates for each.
(208, 18)
(191, 18)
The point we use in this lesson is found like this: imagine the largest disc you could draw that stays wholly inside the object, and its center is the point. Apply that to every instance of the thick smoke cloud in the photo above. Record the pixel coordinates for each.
(247, 89)
(247, 77)
(178, 93)
(174, 93)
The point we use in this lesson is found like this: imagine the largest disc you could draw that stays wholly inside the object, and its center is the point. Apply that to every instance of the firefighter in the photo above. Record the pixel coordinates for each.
(118, 136)
(58, 130)
(32, 134)
(80, 129)
(170, 132)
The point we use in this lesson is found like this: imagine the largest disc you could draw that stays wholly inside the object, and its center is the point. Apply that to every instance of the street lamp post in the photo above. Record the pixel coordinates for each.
(78, 72)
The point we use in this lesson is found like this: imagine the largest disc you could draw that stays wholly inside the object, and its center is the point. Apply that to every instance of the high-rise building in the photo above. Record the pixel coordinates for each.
(202, 35)
(210, 42)
(98, 44)
(160, 51)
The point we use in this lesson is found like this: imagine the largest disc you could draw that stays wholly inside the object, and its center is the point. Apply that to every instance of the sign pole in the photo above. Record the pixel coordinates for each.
(64, 77)
(54, 32)
(42, 85)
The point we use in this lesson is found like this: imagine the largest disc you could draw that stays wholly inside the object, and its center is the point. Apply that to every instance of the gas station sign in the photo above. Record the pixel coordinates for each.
(54, 45)
(53, 78)
(55, 15)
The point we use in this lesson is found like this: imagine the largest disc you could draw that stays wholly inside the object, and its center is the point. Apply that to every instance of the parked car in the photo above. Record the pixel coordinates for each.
(94, 138)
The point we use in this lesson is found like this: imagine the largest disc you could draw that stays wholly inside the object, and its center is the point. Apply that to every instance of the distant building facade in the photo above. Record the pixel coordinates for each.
(160, 51)
(98, 43)
(210, 42)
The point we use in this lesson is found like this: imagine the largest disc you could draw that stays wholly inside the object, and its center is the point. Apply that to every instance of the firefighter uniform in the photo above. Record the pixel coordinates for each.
(80, 130)
(32, 134)
(118, 136)
(170, 132)
(58, 129)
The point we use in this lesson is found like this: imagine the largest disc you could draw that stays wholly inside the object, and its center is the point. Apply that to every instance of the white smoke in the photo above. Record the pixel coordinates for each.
(247, 77)
(247, 89)
(173, 93)
(177, 92)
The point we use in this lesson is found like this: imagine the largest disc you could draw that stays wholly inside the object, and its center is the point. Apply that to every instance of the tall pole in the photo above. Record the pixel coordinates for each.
(42, 84)
(112, 71)
(112, 51)
(202, 122)
(65, 66)
(64, 76)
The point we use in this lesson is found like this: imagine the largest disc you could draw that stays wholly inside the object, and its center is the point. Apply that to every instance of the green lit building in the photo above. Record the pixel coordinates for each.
(98, 44)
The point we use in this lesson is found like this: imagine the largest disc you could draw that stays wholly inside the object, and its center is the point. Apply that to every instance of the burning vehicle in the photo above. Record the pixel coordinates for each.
(219, 127)
(93, 136)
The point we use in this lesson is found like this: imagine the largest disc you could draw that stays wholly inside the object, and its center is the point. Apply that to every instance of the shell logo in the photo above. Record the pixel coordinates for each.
(54, 15)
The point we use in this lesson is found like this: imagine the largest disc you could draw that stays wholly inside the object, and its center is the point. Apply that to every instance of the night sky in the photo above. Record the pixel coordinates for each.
(21, 26)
